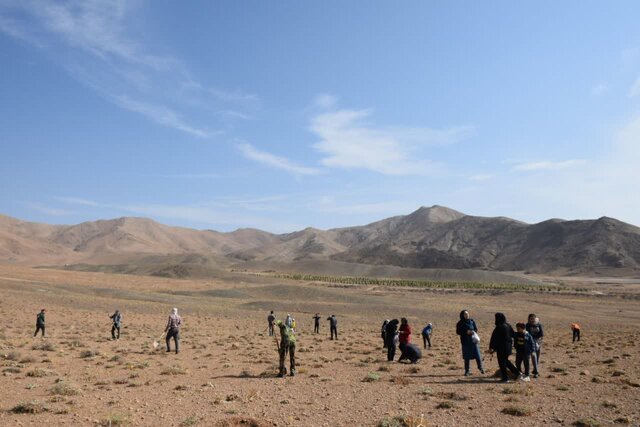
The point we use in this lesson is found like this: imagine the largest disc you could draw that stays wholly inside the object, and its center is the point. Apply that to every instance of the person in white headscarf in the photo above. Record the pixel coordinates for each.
(173, 329)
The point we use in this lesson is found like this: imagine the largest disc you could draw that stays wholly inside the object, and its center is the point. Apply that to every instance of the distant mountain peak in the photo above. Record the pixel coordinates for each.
(438, 214)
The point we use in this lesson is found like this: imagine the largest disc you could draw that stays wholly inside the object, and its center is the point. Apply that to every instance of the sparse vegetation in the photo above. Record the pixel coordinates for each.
(64, 388)
(371, 377)
(586, 422)
(32, 407)
(517, 411)
(174, 370)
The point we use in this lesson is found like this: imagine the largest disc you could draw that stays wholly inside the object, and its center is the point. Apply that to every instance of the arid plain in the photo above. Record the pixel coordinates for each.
(225, 372)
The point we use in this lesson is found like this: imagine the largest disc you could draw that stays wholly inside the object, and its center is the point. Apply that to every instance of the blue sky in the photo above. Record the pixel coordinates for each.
(282, 115)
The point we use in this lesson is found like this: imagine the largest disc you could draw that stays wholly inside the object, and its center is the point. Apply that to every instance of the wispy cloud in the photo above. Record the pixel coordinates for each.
(547, 165)
(348, 142)
(48, 210)
(93, 40)
(78, 201)
(274, 161)
(159, 114)
(325, 100)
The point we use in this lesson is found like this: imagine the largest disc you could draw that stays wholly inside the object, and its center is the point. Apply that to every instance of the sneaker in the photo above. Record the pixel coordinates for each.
(504, 380)
(482, 371)
(293, 373)
(536, 375)
(467, 373)
(526, 379)
(281, 375)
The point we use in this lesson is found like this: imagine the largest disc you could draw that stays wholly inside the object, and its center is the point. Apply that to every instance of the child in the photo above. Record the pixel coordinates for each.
(575, 328)
(534, 327)
(426, 335)
(525, 346)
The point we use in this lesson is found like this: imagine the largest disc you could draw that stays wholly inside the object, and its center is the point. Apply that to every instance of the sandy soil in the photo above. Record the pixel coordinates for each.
(225, 373)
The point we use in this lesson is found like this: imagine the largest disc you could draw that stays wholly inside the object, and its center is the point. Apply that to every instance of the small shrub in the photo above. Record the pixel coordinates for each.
(28, 359)
(12, 370)
(33, 407)
(384, 368)
(39, 373)
(623, 420)
(371, 377)
(445, 405)
(517, 411)
(65, 389)
(44, 346)
(586, 422)
(85, 354)
(609, 404)
(191, 421)
(174, 370)
(13, 356)
(115, 419)
(392, 422)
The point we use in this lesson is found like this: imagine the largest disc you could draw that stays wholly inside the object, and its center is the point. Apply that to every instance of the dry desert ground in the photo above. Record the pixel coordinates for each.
(225, 374)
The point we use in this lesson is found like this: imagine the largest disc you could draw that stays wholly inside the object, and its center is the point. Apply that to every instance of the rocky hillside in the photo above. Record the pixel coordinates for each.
(435, 237)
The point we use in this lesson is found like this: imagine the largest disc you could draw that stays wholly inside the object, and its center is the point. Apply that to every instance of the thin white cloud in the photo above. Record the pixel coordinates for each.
(48, 210)
(481, 177)
(325, 100)
(93, 40)
(78, 201)
(635, 88)
(348, 142)
(274, 161)
(159, 114)
(547, 165)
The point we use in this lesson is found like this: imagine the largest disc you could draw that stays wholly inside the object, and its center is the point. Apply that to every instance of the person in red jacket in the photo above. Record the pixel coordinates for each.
(405, 333)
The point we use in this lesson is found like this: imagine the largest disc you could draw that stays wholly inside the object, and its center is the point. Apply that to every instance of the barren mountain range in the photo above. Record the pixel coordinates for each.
(434, 237)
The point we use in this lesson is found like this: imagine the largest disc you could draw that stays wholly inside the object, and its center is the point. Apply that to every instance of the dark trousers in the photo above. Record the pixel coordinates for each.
(504, 363)
(391, 352)
(467, 363)
(535, 360)
(316, 328)
(39, 328)
(576, 335)
(175, 334)
(334, 330)
(523, 358)
(426, 339)
(270, 329)
(291, 348)
(115, 328)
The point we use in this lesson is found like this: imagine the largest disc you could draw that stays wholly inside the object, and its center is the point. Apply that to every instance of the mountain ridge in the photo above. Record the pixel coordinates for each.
(429, 237)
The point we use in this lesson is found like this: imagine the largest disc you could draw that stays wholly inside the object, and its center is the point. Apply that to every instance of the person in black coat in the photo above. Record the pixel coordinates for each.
(411, 352)
(391, 330)
(502, 344)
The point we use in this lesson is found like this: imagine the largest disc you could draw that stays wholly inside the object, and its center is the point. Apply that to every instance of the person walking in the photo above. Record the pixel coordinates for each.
(316, 323)
(502, 344)
(270, 319)
(117, 322)
(333, 324)
(534, 327)
(287, 345)
(575, 328)
(173, 330)
(390, 334)
(466, 328)
(426, 335)
(40, 323)
(525, 346)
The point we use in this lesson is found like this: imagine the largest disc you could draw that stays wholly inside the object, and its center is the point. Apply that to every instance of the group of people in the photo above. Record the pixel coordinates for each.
(400, 336)
(526, 339)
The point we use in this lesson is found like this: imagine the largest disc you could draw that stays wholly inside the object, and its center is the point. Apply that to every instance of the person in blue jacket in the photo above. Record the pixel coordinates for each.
(525, 346)
(426, 335)
(534, 327)
(470, 350)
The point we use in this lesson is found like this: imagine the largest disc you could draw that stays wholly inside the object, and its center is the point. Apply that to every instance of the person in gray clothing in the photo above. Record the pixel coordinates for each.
(117, 322)
(173, 330)
(333, 323)
(40, 323)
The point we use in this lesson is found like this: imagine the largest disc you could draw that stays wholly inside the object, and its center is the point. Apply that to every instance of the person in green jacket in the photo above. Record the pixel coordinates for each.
(287, 344)
(40, 323)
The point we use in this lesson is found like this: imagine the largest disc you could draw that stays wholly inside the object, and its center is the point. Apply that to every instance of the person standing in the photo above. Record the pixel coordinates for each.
(40, 323)
(270, 319)
(288, 320)
(117, 322)
(575, 328)
(390, 333)
(534, 327)
(426, 335)
(333, 324)
(383, 333)
(316, 323)
(287, 345)
(525, 346)
(466, 327)
(502, 344)
(173, 330)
